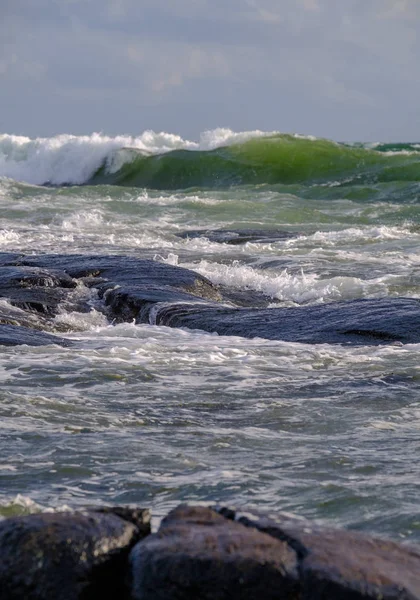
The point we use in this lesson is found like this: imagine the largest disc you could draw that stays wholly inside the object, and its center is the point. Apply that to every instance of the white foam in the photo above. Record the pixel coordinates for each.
(24, 505)
(84, 219)
(74, 159)
(288, 287)
(8, 236)
(77, 321)
(351, 235)
(215, 138)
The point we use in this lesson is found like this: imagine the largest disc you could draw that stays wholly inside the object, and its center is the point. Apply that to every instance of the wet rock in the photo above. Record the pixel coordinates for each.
(341, 564)
(33, 288)
(245, 298)
(13, 315)
(128, 271)
(34, 277)
(152, 292)
(198, 554)
(137, 303)
(130, 288)
(15, 335)
(68, 556)
(358, 322)
(239, 236)
(9, 258)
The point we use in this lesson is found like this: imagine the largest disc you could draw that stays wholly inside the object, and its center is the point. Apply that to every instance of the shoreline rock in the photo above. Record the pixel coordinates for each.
(198, 553)
(69, 555)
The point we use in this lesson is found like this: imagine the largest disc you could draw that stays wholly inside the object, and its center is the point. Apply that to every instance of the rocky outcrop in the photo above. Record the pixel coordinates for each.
(37, 288)
(148, 291)
(365, 321)
(198, 553)
(108, 271)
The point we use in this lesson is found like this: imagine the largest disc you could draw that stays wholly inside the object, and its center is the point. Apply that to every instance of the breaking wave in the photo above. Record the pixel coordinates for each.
(221, 158)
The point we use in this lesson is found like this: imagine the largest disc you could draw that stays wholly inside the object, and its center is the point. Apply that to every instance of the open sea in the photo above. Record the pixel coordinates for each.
(153, 415)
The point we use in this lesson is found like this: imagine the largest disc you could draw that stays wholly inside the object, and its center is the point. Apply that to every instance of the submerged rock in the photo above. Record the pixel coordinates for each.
(239, 236)
(130, 303)
(42, 286)
(69, 556)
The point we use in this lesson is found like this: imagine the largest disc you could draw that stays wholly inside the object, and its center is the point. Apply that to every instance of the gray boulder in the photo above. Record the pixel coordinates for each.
(69, 555)
(340, 564)
(199, 555)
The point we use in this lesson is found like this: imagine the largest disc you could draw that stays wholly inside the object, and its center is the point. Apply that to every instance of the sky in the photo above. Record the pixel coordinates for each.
(343, 69)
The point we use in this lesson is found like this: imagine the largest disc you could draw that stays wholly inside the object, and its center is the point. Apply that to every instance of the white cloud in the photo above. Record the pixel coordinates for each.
(400, 9)
(311, 5)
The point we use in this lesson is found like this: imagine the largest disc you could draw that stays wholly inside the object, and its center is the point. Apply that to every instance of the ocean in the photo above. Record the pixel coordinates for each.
(146, 414)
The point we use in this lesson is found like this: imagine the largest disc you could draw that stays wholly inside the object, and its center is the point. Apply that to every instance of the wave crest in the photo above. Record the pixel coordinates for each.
(70, 159)
(220, 158)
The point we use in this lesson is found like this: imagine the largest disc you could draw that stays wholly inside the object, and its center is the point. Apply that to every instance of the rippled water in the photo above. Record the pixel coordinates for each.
(153, 416)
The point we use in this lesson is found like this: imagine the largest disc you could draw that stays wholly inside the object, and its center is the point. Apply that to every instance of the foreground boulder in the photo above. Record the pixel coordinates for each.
(346, 565)
(68, 556)
(197, 554)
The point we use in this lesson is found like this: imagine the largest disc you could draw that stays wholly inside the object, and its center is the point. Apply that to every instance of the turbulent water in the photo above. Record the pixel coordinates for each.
(151, 415)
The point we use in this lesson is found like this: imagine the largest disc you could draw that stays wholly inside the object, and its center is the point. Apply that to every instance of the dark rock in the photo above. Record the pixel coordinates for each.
(245, 298)
(35, 276)
(129, 286)
(140, 517)
(13, 315)
(9, 258)
(34, 289)
(239, 236)
(131, 302)
(15, 335)
(358, 322)
(129, 271)
(152, 292)
(68, 556)
(198, 555)
(341, 564)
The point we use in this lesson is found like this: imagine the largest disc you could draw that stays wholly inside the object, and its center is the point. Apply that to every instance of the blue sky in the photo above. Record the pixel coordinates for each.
(343, 69)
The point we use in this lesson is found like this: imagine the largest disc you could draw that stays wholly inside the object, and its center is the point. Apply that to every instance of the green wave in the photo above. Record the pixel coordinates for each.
(283, 159)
